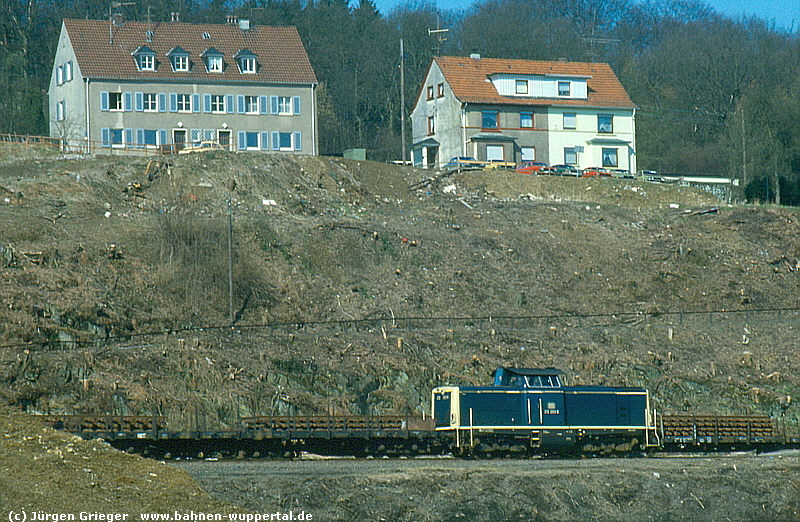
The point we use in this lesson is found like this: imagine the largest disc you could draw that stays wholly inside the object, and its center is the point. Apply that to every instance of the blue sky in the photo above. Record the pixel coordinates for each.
(785, 13)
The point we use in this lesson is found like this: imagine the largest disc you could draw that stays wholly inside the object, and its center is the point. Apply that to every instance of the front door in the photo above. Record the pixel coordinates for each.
(178, 138)
(224, 138)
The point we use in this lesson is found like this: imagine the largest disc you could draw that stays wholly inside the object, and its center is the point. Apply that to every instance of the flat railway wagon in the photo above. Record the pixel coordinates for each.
(525, 412)
(534, 411)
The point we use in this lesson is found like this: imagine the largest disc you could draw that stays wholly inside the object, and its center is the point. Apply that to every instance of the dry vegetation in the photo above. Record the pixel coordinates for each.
(354, 293)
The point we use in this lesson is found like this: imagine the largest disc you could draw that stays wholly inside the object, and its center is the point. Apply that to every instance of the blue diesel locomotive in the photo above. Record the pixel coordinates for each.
(534, 411)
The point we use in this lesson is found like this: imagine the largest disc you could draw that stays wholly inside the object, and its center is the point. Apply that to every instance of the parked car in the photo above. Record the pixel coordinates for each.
(594, 172)
(202, 146)
(464, 162)
(499, 164)
(531, 167)
(651, 175)
(565, 170)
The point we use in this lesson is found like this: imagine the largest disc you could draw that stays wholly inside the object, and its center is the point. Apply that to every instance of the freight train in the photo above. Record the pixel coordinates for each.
(524, 412)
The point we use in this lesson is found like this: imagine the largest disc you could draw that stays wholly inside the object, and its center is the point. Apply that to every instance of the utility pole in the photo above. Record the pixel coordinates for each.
(744, 155)
(230, 260)
(402, 102)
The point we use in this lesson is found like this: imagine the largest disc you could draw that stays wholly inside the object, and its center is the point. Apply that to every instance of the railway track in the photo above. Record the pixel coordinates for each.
(391, 435)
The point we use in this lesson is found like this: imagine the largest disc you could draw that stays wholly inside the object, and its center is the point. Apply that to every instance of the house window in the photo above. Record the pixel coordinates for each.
(431, 125)
(59, 75)
(147, 137)
(440, 90)
(284, 105)
(430, 92)
(526, 120)
(68, 71)
(115, 101)
(528, 153)
(115, 137)
(522, 86)
(251, 104)
(563, 88)
(605, 123)
(251, 140)
(494, 153)
(217, 103)
(570, 120)
(247, 64)
(285, 141)
(570, 156)
(180, 62)
(60, 111)
(184, 103)
(489, 119)
(147, 62)
(610, 157)
(214, 64)
(149, 102)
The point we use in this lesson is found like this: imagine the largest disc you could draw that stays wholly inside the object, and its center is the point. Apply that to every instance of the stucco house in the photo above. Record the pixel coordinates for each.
(143, 85)
(574, 113)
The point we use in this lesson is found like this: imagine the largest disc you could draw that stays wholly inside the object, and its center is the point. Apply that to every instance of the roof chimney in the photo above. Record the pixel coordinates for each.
(175, 16)
(475, 56)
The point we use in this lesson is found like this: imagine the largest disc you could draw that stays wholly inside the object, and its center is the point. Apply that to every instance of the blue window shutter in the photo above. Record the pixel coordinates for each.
(298, 141)
(104, 101)
(173, 102)
(273, 102)
(240, 103)
(105, 137)
(140, 137)
(264, 140)
(138, 98)
(195, 103)
(128, 137)
(162, 102)
(127, 99)
(276, 140)
(229, 103)
(162, 136)
(206, 103)
(296, 105)
(241, 141)
(262, 104)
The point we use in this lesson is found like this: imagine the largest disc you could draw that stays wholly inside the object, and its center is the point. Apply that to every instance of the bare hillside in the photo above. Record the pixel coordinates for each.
(358, 287)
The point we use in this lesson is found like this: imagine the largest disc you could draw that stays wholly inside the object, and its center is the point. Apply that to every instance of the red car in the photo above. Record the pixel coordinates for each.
(531, 167)
(593, 172)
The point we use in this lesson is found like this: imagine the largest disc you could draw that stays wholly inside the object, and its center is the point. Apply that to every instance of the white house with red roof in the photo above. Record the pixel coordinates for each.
(143, 85)
(573, 113)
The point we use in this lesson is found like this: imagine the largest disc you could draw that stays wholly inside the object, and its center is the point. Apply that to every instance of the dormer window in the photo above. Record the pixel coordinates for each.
(179, 59)
(213, 60)
(246, 61)
(145, 58)
(521, 86)
(564, 88)
(206, 36)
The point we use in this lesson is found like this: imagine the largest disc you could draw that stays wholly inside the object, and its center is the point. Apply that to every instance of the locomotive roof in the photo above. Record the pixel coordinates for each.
(533, 371)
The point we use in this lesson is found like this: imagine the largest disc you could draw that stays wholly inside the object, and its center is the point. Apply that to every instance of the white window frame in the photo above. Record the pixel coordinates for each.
(150, 102)
(117, 145)
(611, 153)
(250, 104)
(68, 71)
(184, 103)
(218, 104)
(528, 153)
(60, 111)
(566, 92)
(570, 121)
(521, 86)
(281, 136)
(113, 97)
(285, 105)
(247, 65)
(180, 62)
(215, 64)
(494, 148)
(147, 62)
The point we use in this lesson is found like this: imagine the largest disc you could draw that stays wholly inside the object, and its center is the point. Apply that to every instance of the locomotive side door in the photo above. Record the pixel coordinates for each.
(545, 408)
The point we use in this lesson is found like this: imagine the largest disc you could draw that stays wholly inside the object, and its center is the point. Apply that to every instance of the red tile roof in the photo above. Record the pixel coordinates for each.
(468, 77)
(280, 53)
